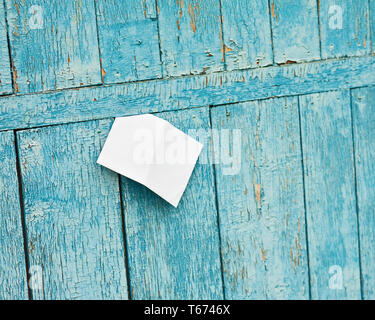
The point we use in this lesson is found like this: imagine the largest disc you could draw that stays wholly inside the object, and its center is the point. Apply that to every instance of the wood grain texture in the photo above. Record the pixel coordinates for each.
(5, 76)
(190, 36)
(161, 95)
(364, 131)
(247, 34)
(295, 30)
(262, 215)
(372, 23)
(72, 213)
(129, 42)
(61, 53)
(344, 27)
(174, 252)
(13, 282)
(330, 195)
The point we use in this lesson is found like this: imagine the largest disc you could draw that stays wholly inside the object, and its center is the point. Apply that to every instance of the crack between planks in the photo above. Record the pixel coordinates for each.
(271, 32)
(98, 41)
(217, 216)
(356, 193)
(222, 35)
(159, 39)
(99, 119)
(127, 270)
(22, 208)
(11, 64)
(304, 194)
(319, 28)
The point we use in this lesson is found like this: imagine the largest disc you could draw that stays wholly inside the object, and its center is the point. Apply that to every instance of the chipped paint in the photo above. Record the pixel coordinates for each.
(193, 12)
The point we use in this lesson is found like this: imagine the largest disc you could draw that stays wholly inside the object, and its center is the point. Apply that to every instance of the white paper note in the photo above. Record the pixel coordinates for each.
(153, 152)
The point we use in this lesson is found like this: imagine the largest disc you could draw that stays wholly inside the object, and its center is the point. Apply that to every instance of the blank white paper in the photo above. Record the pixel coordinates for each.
(153, 152)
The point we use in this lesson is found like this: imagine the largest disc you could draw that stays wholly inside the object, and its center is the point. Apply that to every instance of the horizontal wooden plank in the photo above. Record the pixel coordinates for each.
(295, 30)
(191, 39)
(247, 34)
(262, 214)
(345, 29)
(54, 44)
(330, 195)
(364, 142)
(129, 43)
(13, 282)
(174, 252)
(5, 75)
(162, 95)
(72, 213)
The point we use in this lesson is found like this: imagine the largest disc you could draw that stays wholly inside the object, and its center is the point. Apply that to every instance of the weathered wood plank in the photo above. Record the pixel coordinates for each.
(174, 252)
(247, 34)
(53, 44)
(295, 30)
(5, 76)
(344, 26)
(129, 42)
(72, 212)
(372, 23)
(364, 142)
(330, 195)
(262, 215)
(190, 36)
(13, 282)
(153, 96)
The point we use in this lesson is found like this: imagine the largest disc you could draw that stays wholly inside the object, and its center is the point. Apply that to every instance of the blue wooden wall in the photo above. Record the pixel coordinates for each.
(295, 78)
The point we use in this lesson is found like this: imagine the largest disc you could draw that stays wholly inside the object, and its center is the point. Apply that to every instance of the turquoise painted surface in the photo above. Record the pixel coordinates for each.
(5, 76)
(72, 213)
(13, 282)
(174, 253)
(372, 22)
(262, 215)
(345, 28)
(129, 43)
(53, 44)
(245, 44)
(364, 144)
(296, 221)
(191, 37)
(182, 93)
(327, 145)
(295, 30)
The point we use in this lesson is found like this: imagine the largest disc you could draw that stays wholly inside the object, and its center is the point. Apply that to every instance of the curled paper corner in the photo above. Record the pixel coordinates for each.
(153, 152)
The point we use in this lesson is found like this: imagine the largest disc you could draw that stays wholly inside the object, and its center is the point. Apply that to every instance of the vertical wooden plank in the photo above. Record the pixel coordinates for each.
(129, 42)
(174, 252)
(372, 23)
(53, 43)
(247, 33)
(330, 195)
(262, 216)
(295, 30)
(5, 77)
(344, 26)
(13, 282)
(364, 132)
(190, 36)
(72, 212)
